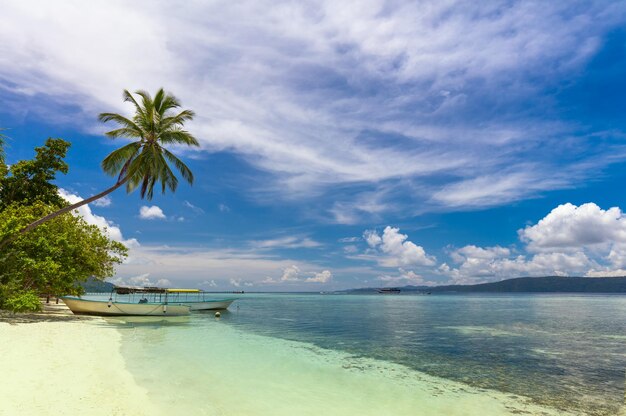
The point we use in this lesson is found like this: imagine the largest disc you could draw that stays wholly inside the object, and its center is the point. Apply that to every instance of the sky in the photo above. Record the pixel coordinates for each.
(343, 144)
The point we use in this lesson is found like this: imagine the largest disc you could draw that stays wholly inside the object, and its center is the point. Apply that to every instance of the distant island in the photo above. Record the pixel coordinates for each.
(546, 284)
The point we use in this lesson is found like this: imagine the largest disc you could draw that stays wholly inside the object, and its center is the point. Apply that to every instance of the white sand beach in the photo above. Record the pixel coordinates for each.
(71, 367)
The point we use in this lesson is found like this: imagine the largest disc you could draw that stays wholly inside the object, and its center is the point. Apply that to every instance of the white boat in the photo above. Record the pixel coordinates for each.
(81, 306)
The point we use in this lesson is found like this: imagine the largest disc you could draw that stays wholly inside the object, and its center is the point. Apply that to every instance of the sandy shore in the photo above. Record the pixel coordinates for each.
(55, 363)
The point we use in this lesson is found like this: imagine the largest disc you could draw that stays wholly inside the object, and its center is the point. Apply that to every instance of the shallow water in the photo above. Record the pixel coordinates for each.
(287, 354)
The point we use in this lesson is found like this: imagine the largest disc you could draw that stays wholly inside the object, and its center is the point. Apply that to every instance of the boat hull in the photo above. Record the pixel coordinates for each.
(104, 308)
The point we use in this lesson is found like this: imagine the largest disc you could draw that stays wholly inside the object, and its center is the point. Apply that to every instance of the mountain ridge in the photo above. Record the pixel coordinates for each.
(544, 284)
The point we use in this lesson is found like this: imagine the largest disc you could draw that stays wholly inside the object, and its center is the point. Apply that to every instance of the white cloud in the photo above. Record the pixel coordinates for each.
(571, 227)
(286, 242)
(499, 188)
(105, 201)
(304, 77)
(142, 280)
(349, 239)
(151, 213)
(322, 277)
(105, 225)
(223, 208)
(478, 264)
(290, 274)
(350, 249)
(396, 250)
(404, 277)
(193, 208)
(570, 240)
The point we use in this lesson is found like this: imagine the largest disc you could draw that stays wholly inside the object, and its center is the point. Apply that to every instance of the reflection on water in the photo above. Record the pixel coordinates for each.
(148, 321)
(564, 352)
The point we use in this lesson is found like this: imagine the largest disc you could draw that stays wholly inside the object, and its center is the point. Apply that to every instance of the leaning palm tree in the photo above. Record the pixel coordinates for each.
(144, 162)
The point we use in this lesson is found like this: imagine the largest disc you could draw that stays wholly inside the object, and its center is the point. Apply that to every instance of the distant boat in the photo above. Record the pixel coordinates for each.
(389, 290)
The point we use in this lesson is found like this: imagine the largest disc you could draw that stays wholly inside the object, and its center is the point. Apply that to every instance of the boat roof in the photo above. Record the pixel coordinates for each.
(125, 290)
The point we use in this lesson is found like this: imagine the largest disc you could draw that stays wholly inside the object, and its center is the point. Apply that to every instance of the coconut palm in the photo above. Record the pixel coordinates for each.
(145, 162)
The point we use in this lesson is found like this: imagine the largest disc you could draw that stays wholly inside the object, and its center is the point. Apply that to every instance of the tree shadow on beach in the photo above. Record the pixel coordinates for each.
(51, 312)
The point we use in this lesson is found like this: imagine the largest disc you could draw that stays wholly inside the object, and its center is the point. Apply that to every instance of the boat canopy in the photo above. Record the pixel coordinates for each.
(126, 290)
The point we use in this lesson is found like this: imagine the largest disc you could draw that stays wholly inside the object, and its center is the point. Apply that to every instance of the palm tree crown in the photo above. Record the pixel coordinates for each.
(144, 162)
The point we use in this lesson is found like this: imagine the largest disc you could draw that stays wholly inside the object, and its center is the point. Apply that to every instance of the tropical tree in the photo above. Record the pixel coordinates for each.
(28, 181)
(52, 259)
(145, 161)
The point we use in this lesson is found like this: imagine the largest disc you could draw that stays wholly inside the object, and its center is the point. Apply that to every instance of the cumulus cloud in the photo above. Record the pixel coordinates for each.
(151, 213)
(290, 274)
(476, 264)
(141, 280)
(322, 277)
(105, 225)
(571, 227)
(396, 250)
(570, 240)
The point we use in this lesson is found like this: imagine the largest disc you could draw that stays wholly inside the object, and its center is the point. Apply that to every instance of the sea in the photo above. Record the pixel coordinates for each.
(340, 354)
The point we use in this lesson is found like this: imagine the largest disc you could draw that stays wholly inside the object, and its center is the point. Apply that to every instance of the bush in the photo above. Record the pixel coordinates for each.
(23, 302)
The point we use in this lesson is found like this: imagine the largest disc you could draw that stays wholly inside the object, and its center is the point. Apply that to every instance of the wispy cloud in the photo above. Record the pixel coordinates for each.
(193, 208)
(291, 242)
(430, 98)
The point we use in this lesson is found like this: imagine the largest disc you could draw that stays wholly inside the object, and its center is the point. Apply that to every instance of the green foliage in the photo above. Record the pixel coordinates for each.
(51, 258)
(26, 301)
(146, 161)
(30, 180)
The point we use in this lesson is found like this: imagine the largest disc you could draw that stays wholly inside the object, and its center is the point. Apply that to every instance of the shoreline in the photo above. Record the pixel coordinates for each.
(54, 362)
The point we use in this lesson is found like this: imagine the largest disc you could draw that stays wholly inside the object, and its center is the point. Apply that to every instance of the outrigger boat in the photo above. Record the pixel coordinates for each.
(146, 301)
(116, 307)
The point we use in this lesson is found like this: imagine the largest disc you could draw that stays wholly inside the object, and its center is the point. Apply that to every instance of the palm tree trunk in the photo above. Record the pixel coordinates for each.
(61, 211)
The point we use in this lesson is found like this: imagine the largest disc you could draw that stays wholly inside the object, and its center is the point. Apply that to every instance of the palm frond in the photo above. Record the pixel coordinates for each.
(113, 163)
(158, 100)
(185, 172)
(125, 132)
(169, 102)
(128, 97)
(178, 137)
(178, 120)
(119, 119)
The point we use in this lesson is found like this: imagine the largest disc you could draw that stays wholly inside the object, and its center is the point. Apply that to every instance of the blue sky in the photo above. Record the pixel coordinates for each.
(342, 144)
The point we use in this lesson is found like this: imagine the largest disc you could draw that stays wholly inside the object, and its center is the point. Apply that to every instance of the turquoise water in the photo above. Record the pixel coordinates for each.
(288, 354)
